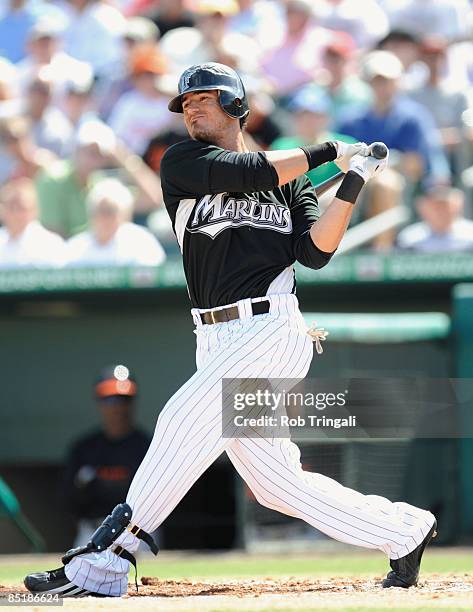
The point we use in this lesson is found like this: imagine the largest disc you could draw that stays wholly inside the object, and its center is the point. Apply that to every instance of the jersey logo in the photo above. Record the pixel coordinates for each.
(215, 213)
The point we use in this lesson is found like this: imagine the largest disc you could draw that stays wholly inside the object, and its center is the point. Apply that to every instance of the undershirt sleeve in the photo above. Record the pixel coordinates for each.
(304, 213)
(194, 168)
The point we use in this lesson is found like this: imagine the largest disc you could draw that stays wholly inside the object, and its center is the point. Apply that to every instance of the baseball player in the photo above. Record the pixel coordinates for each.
(242, 219)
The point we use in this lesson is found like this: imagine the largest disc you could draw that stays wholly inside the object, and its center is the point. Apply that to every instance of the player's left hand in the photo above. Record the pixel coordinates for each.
(345, 151)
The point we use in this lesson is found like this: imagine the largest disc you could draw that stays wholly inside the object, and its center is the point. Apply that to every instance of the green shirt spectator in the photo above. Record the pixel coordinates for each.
(310, 109)
(64, 185)
(62, 199)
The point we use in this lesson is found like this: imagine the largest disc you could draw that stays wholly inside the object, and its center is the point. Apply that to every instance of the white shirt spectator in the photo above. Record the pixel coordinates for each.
(184, 47)
(137, 118)
(53, 132)
(60, 70)
(419, 237)
(445, 18)
(35, 247)
(95, 35)
(132, 245)
(262, 21)
(365, 26)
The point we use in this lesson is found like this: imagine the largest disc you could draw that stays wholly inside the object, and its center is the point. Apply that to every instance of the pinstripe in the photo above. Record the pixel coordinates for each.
(198, 399)
(197, 379)
(181, 469)
(320, 524)
(192, 418)
(240, 466)
(310, 493)
(188, 439)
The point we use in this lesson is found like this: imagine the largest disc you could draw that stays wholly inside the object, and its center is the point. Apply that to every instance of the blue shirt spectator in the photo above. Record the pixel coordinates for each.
(404, 125)
(14, 29)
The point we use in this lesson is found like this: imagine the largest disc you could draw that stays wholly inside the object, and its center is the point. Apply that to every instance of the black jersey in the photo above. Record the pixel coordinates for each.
(239, 233)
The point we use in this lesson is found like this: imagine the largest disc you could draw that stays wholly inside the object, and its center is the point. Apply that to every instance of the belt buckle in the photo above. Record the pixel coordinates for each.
(212, 316)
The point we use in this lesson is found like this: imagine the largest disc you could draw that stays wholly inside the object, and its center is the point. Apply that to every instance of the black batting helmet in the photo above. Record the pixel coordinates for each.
(210, 77)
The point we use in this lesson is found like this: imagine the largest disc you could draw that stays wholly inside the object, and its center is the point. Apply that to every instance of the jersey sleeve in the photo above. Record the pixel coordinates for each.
(304, 213)
(193, 168)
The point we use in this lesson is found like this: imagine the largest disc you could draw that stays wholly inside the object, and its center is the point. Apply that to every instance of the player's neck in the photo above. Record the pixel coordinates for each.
(232, 141)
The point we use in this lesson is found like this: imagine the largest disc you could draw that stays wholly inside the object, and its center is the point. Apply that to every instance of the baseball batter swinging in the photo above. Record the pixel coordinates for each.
(242, 219)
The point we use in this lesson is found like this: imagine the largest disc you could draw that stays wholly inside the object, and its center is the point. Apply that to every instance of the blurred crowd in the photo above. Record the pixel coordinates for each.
(84, 87)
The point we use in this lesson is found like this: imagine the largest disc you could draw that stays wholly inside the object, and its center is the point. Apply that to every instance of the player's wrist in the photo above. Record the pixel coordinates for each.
(320, 154)
(350, 187)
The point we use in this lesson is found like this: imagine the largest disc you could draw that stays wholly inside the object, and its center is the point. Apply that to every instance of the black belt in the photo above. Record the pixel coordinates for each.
(231, 313)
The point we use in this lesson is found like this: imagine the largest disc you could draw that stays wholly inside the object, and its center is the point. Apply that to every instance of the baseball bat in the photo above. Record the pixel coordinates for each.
(378, 150)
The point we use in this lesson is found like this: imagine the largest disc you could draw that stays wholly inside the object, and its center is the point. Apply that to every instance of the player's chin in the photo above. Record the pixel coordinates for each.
(202, 134)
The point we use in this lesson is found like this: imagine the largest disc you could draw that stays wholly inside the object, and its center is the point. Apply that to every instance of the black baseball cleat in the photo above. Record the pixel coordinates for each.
(406, 569)
(55, 582)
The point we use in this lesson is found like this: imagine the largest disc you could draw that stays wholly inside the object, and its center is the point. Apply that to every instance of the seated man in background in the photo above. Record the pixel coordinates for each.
(63, 186)
(445, 98)
(347, 91)
(49, 127)
(113, 239)
(310, 109)
(24, 242)
(100, 466)
(19, 154)
(408, 130)
(443, 228)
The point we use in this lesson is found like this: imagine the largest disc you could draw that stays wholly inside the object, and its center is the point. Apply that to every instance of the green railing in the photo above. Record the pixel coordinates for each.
(360, 268)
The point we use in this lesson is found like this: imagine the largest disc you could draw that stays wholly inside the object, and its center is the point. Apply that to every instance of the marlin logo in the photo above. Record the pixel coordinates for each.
(214, 214)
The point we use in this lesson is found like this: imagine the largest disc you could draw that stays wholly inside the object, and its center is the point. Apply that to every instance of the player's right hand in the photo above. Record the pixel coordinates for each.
(368, 166)
(345, 152)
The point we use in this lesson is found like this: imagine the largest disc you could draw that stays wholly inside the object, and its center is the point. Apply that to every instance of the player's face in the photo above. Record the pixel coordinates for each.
(203, 116)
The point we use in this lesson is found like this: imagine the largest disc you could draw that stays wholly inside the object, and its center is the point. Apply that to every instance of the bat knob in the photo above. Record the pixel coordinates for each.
(379, 150)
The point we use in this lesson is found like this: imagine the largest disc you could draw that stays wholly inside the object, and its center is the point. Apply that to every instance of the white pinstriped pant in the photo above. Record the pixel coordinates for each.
(188, 439)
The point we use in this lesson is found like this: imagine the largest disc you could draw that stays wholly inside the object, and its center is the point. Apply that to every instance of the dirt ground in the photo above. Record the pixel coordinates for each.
(436, 591)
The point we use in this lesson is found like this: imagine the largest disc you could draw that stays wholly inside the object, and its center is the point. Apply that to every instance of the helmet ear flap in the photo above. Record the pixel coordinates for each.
(232, 105)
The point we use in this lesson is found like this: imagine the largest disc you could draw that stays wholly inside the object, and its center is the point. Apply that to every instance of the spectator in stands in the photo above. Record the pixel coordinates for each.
(142, 112)
(210, 40)
(295, 61)
(310, 109)
(10, 106)
(100, 466)
(24, 242)
(443, 228)
(261, 20)
(347, 91)
(44, 54)
(365, 26)
(171, 14)
(63, 187)
(404, 125)
(139, 31)
(446, 18)
(94, 34)
(113, 239)
(19, 155)
(444, 99)
(406, 47)
(14, 29)
(8, 79)
(79, 104)
(49, 127)
(261, 124)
